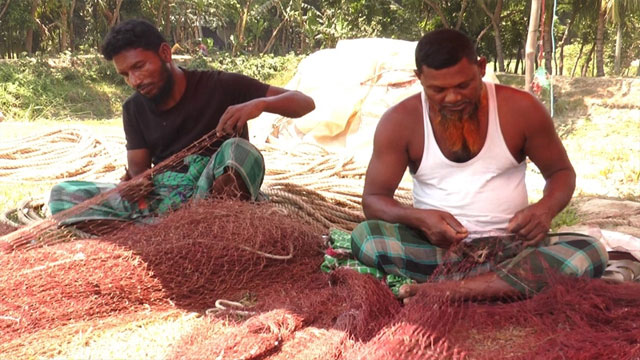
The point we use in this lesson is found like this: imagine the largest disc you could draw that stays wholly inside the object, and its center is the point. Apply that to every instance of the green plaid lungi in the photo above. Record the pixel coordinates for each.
(170, 188)
(402, 251)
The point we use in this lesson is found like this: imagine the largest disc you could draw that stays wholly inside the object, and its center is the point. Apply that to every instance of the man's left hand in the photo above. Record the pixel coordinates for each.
(532, 223)
(236, 116)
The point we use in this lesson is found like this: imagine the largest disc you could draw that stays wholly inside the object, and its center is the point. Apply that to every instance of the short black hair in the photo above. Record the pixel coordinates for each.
(131, 34)
(443, 48)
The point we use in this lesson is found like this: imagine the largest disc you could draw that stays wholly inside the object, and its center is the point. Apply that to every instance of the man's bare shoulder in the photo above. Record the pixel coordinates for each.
(516, 100)
(405, 111)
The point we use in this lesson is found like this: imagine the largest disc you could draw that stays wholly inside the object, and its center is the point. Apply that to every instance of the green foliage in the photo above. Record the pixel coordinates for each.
(82, 87)
(567, 217)
(302, 26)
(265, 68)
(88, 87)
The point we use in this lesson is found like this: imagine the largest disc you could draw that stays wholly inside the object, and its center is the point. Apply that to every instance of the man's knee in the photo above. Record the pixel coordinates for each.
(363, 247)
(245, 159)
(590, 258)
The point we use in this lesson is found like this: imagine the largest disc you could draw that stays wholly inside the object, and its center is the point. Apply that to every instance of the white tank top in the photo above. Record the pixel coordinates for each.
(482, 193)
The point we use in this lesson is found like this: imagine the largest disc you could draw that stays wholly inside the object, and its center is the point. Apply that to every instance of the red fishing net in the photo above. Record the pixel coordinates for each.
(280, 306)
(252, 272)
(6, 228)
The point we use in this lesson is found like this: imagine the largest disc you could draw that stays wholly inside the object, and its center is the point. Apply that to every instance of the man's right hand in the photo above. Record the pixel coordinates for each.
(441, 228)
(136, 188)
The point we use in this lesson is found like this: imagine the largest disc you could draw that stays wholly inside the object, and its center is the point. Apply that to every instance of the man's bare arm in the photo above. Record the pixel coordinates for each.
(388, 163)
(138, 161)
(289, 103)
(544, 148)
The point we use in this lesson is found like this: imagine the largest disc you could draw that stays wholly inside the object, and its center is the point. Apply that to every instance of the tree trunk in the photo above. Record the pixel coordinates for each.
(72, 37)
(4, 9)
(28, 42)
(585, 67)
(241, 27)
(463, 7)
(618, 58)
(481, 35)
(272, 39)
(564, 41)
(159, 14)
(532, 37)
(518, 59)
(575, 66)
(64, 28)
(599, 45)
(167, 20)
(438, 10)
(495, 22)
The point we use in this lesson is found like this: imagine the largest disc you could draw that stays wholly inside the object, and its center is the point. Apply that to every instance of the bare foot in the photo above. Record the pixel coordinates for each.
(486, 286)
(408, 291)
(231, 185)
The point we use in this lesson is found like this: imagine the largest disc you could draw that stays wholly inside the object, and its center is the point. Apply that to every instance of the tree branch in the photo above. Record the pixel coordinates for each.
(482, 34)
(461, 14)
(4, 9)
(440, 13)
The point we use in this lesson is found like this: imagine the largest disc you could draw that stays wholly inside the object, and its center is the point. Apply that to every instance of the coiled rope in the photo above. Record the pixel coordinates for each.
(69, 154)
(306, 180)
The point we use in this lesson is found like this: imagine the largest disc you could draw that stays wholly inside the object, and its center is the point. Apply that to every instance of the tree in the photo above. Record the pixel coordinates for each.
(4, 8)
(28, 42)
(443, 17)
(495, 22)
(618, 10)
(599, 45)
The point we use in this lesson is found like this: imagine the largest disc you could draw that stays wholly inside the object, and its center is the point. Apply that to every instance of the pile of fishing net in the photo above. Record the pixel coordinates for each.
(250, 273)
(6, 228)
(305, 180)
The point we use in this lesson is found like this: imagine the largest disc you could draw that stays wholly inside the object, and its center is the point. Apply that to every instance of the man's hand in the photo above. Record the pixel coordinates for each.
(236, 116)
(532, 223)
(441, 228)
(136, 188)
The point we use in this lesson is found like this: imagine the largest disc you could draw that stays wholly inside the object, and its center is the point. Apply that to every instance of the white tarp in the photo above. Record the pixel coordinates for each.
(352, 86)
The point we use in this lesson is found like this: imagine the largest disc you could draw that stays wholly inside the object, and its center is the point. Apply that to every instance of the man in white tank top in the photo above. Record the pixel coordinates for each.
(465, 143)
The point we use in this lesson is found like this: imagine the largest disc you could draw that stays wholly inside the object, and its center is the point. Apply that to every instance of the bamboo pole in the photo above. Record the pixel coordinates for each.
(532, 39)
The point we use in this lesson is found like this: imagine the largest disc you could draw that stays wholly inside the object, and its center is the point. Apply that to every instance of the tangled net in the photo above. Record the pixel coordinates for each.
(250, 272)
(279, 306)
(319, 187)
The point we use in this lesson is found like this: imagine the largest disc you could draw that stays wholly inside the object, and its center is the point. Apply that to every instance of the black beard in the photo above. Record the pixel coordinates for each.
(165, 90)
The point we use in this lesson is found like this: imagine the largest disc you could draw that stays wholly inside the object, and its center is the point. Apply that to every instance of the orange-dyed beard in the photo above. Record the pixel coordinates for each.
(462, 129)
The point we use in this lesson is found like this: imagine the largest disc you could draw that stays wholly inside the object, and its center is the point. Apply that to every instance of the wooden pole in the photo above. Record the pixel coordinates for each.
(532, 39)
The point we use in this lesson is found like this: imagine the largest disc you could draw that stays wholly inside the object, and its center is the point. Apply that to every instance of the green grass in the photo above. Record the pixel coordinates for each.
(567, 217)
(67, 87)
(39, 94)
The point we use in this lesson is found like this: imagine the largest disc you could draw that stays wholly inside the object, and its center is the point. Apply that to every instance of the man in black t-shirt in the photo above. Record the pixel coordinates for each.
(171, 109)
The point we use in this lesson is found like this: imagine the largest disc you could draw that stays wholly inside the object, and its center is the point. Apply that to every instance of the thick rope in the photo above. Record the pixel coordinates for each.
(61, 154)
(305, 179)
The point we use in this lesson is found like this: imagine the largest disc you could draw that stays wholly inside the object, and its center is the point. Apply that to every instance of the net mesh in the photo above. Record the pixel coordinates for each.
(280, 306)
(264, 261)
(306, 180)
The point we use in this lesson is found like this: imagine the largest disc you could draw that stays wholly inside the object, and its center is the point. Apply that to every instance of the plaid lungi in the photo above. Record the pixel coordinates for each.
(403, 251)
(170, 188)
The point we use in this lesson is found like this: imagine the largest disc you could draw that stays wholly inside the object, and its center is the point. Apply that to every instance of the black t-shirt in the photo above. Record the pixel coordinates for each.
(207, 95)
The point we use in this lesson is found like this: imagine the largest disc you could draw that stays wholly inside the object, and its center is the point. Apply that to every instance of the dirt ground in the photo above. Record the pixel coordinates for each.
(599, 122)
